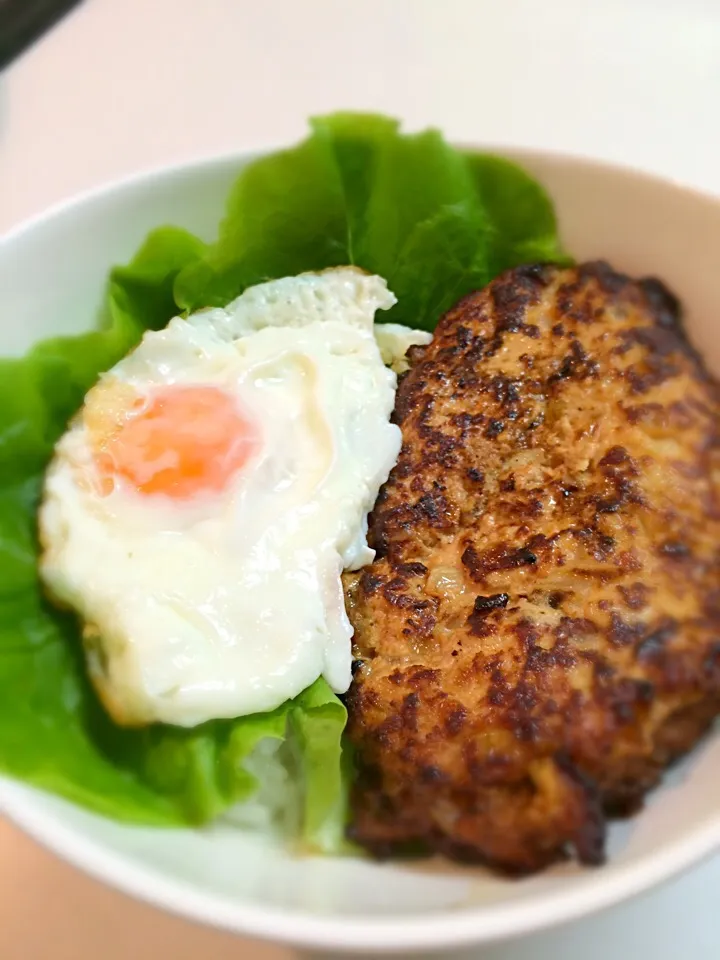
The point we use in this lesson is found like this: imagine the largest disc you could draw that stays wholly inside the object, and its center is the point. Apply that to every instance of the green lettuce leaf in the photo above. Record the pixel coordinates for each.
(413, 214)
(285, 215)
(524, 227)
(437, 223)
(357, 191)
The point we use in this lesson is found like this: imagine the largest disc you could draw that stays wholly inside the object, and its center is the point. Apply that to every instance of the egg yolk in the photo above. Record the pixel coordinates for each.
(180, 441)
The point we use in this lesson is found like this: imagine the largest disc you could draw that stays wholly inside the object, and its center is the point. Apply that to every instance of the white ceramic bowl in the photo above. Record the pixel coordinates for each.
(238, 881)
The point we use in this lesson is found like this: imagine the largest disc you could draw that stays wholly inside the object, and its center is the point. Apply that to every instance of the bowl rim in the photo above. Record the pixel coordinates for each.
(452, 928)
(518, 153)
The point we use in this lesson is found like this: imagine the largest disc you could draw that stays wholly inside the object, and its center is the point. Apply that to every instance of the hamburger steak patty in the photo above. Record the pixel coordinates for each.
(539, 635)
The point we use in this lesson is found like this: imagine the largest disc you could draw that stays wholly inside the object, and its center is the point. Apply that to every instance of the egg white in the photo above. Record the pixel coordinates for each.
(231, 603)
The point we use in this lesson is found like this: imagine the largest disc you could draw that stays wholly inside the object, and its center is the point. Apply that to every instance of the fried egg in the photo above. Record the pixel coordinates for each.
(201, 507)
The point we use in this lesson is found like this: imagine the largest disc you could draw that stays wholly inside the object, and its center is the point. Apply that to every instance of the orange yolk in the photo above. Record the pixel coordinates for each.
(181, 441)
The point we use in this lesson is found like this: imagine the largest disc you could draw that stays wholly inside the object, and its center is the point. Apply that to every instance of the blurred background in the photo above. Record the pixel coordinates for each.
(121, 86)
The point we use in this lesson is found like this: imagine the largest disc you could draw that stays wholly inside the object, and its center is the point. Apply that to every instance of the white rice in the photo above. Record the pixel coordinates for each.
(276, 805)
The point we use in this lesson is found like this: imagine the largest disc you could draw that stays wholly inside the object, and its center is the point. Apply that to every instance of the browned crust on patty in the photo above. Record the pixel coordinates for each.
(539, 635)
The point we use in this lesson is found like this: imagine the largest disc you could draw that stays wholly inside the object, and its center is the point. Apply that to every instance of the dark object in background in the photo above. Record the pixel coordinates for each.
(22, 22)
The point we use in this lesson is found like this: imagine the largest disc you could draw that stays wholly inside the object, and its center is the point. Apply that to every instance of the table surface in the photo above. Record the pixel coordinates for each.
(127, 85)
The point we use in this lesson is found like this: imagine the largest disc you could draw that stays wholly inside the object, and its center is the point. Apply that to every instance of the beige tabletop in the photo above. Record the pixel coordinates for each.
(50, 912)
